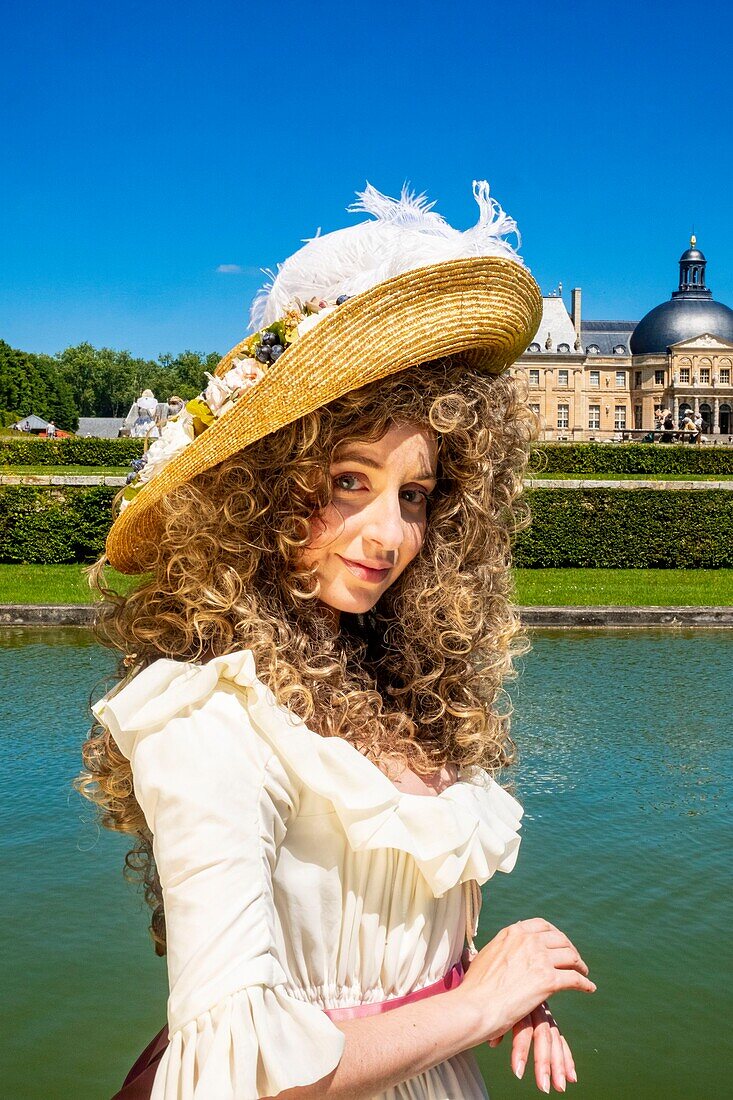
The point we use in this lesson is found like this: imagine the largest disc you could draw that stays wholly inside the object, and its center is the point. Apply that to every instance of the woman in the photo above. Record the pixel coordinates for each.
(141, 417)
(668, 436)
(688, 425)
(303, 741)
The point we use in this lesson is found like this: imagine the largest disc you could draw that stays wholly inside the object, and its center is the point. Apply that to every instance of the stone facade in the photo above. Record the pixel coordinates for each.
(579, 377)
(588, 396)
(585, 384)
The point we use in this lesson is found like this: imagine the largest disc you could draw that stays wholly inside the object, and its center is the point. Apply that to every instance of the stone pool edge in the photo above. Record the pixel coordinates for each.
(591, 617)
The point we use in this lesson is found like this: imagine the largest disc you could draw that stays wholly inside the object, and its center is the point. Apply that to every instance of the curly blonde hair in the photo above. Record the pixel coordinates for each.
(417, 681)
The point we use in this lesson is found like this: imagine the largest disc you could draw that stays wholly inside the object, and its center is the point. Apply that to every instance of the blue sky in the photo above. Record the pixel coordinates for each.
(146, 144)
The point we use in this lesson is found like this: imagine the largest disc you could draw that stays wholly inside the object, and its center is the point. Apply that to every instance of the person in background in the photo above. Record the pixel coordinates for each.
(168, 409)
(50, 430)
(141, 417)
(698, 422)
(688, 425)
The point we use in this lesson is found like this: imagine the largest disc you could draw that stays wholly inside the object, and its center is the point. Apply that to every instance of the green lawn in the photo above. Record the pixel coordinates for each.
(52, 584)
(63, 471)
(65, 584)
(625, 587)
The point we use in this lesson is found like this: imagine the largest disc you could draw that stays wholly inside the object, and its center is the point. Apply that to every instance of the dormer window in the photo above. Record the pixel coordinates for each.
(619, 350)
(593, 349)
(563, 347)
(534, 347)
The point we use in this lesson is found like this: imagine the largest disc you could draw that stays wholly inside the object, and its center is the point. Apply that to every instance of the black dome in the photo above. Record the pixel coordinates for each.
(691, 311)
(680, 319)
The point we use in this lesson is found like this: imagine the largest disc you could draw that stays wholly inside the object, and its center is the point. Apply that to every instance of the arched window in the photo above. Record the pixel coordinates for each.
(534, 347)
(563, 347)
(592, 349)
(619, 349)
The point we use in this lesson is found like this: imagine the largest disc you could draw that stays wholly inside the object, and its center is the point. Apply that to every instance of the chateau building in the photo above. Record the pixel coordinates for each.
(592, 380)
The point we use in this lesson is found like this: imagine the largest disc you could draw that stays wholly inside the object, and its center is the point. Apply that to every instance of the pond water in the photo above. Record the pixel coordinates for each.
(624, 767)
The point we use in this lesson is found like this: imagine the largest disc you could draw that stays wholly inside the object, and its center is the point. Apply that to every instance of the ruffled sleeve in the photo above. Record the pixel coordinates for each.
(217, 800)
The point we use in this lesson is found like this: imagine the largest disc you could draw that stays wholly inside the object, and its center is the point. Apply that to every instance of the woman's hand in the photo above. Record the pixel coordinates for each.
(518, 970)
(552, 1057)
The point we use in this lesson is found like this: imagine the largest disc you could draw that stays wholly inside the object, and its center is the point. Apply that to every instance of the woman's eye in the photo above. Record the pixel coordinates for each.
(415, 496)
(346, 482)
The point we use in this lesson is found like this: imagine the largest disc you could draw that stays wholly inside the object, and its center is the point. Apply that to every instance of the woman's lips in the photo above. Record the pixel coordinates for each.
(365, 572)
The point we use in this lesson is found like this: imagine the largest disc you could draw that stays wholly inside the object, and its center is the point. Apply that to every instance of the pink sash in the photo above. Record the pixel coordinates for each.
(139, 1082)
(451, 980)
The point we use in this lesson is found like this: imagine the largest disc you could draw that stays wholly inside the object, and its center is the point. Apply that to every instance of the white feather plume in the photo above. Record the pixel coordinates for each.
(402, 235)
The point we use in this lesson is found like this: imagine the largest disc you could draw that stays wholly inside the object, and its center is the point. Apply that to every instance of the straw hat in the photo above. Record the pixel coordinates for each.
(349, 308)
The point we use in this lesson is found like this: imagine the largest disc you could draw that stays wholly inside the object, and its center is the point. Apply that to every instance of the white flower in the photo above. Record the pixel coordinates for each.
(216, 393)
(311, 321)
(243, 374)
(176, 436)
(221, 392)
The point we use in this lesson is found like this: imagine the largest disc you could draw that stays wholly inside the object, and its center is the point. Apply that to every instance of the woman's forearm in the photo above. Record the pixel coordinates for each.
(381, 1051)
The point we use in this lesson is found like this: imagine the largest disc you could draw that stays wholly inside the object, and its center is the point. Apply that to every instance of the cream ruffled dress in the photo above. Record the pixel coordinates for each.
(296, 877)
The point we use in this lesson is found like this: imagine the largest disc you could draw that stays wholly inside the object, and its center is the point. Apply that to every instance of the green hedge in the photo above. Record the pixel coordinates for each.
(53, 526)
(69, 452)
(631, 458)
(555, 458)
(628, 529)
(604, 528)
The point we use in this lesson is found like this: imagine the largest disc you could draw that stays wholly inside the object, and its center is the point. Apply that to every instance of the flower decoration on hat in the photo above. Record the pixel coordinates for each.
(259, 352)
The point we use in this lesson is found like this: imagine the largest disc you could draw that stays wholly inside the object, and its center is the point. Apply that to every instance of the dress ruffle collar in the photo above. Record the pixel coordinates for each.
(469, 831)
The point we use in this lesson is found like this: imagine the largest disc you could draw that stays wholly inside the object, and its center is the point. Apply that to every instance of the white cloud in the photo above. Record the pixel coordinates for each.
(229, 269)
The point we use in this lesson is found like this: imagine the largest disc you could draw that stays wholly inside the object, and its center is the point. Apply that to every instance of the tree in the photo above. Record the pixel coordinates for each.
(58, 402)
(34, 384)
(86, 381)
(186, 374)
(105, 382)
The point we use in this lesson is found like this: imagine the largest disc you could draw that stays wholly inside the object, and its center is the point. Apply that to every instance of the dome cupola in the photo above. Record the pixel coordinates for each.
(692, 273)
(690, 312)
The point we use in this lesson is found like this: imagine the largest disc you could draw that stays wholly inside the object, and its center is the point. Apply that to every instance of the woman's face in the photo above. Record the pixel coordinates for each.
(375, 524)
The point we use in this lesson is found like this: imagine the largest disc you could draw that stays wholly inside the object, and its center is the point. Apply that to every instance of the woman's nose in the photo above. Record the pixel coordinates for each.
(384, 524)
